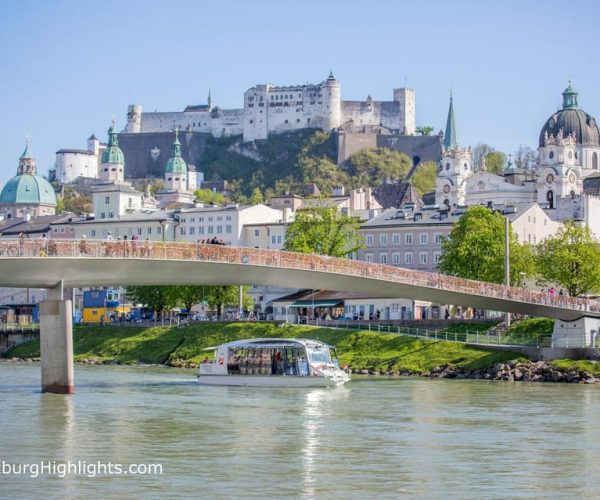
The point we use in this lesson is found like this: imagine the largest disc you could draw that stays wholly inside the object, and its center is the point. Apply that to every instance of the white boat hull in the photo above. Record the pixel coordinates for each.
(266, 381)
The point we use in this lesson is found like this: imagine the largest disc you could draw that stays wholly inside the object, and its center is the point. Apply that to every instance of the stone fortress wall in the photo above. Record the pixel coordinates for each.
(271, 109)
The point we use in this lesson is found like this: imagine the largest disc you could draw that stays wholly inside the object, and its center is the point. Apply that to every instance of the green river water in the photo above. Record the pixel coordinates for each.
(373, 438)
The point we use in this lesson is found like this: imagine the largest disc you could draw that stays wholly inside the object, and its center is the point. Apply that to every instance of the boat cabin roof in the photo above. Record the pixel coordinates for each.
(272, 343)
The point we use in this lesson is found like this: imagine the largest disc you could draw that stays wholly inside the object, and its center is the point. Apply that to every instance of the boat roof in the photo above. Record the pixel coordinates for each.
(272, 343)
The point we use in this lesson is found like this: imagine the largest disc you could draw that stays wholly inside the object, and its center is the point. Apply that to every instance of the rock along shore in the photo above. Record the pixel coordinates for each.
(511, 371)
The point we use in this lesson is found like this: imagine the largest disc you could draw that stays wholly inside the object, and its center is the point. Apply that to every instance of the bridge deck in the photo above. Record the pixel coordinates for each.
(79, 263)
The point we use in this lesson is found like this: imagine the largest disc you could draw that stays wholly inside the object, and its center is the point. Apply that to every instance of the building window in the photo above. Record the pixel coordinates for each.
(408, 257)
(396, 239)
(107, 200)
(219, 229)
(228, 229)
(130, 202)
(93, 233)
(192, 230)
(369, 240)
(438, 238)
(103, 215)
(383, 258)
(111, 215)
(368, 257)
(422, 257)
(200, 230)
(228, 217)
(551, 154)
(257, 232)
(396, 258)
(595, 161)
(408, 239)
(139, 231)
(424, 238)
(383, 239)
(149, 230)
(436, 257)
(158, 230)
(210, 229)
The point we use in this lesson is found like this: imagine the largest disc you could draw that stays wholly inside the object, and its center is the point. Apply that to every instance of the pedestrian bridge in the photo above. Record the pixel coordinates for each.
(88, 263)
(56, 264)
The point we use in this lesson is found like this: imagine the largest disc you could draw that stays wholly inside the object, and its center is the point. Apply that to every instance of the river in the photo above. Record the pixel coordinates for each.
(381, 437)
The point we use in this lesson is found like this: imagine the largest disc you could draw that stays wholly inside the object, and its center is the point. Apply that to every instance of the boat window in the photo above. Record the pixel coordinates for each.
(319, 355)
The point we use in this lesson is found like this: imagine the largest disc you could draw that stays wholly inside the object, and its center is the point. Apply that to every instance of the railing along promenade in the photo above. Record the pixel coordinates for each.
(144, 249)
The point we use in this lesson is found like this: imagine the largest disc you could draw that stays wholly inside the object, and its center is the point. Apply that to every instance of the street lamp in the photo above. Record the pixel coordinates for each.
(507, 261)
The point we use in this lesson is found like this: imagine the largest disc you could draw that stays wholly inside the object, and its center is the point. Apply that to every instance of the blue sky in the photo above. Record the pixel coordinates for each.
(67, 67)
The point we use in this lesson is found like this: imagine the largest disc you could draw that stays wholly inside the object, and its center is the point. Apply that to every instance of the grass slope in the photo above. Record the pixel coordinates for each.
(360, 350)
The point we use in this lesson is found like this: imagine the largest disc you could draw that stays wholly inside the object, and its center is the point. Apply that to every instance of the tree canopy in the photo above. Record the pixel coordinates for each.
(424, 178)
(324, 231)
(475, 249)
(371, 167)
(571, 258)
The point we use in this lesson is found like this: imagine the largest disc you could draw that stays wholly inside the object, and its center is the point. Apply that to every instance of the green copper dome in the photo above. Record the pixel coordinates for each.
(176, 164)
(113, 153)
(28, 189)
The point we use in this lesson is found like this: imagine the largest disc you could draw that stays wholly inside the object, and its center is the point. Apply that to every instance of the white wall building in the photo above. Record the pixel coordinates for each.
(74, 163)
(271, 109)
(223, 223)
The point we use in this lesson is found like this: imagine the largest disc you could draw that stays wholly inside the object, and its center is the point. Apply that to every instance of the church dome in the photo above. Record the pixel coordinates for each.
(113, 153)
(176, 163)
(28, 189)
(572, 121)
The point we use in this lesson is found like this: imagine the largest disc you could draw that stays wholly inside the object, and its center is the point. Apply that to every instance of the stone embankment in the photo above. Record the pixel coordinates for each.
(525, 371)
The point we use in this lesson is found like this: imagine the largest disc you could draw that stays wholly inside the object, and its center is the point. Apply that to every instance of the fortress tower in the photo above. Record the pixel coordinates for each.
(406, 100)
(134, 119)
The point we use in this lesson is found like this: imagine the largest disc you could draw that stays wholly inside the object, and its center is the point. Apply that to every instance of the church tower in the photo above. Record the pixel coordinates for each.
(112, 168)
(456, 165)
(176, 170)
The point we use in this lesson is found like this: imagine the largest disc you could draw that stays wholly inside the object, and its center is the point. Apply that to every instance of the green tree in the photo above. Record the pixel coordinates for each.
(157, 298)
(324, 231)
(208, 196)
(425, 177)
(475, 249)
(424, 130)
(188, 295)
(494, 162)
(72, 201)
(221, 296)
(571, 258)
(256, 197)
(371, 167)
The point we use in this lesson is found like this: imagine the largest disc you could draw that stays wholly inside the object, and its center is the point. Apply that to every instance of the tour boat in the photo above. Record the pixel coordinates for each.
(272, 363)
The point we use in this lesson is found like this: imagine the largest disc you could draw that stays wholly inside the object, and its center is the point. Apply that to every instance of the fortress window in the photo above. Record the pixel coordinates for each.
(251, 121)
(106, 169)
(113, 169)
(594, 160)
(297, 120)
(286, 121)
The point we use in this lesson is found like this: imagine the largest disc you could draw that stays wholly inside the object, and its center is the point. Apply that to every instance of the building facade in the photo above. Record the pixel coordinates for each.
(270, 109)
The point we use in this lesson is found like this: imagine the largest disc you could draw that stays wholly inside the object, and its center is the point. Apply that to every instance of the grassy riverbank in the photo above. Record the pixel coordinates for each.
(184, 346)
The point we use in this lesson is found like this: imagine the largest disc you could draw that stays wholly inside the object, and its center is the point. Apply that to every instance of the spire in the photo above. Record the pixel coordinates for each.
(27, 154)
(569, 97)
(209, 100)
(27, 161)
(450, 139)
(176, 163)
(331, 77)
(113, 139)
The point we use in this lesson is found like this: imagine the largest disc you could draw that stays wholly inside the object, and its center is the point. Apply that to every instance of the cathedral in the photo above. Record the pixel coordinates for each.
(569, 145)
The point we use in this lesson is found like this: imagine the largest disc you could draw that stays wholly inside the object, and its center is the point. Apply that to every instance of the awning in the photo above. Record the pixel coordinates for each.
(316, 303)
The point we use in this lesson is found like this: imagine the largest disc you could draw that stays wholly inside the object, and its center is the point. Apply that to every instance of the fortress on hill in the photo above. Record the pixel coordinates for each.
(269, 110)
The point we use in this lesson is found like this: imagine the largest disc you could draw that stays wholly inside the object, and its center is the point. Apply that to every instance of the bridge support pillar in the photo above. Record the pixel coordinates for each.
(56, 343)
(579, 333)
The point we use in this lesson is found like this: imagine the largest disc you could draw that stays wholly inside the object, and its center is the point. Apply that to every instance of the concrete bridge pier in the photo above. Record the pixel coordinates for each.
(56, 342)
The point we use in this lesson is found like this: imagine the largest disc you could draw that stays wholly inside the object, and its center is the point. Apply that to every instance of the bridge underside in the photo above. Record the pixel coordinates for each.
(87, 272)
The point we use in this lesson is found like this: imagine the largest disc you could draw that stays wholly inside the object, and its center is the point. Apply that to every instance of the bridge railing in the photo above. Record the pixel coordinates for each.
(145, 249)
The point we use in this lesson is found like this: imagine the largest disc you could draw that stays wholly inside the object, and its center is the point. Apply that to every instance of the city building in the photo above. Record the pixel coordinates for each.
(72, 164)
(27, 194)
(223, 223)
